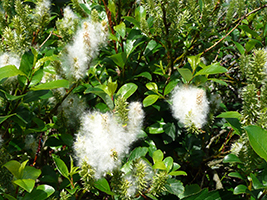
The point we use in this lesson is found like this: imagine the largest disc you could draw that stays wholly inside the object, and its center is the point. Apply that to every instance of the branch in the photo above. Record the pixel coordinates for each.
(239, 21)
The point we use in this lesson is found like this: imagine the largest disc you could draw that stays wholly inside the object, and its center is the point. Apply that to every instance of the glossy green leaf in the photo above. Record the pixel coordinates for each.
(174, 186)
(156, 128)
(26, 184)
(9, 71)
(52, 85)
(150, 99)
(168, 163)
(258, 140)
(132, 20)
(236, 175)
(231, 158)
(40, 193)
(157, 156)
(140, 13)
(26, 63)
(9, 197)
(119, 59)
(113, 37)
(251, 44)
(102, 185)
(127, 90)
(248, 30)
(256, 183)
(240, 189)
(178, 173)
(194, 61)
(185, 73)
(4, 118)
(9, 96)
(112, 7)
(137, 153)
(212, 69)
(218, 81)
(37, 77)
(159, 165)
(235, 124)
(152, 86)
(61, 167)
(120, 29)
(145, 75)
(170, 86)
(240, 48)
(13, 166)
(230, 114)
(176, 166)
(190, 190)
(112, 87)
(103, 95)
(170, 130)
(31, 173)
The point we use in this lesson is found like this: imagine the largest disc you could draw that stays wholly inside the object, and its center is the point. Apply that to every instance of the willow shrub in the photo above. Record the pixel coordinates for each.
(133, 99)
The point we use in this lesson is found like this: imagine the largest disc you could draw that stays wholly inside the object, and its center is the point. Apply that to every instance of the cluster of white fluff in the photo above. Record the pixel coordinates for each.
(102, 142)
(42, 7)
(84, 48)
(9, 59)
(190, 105)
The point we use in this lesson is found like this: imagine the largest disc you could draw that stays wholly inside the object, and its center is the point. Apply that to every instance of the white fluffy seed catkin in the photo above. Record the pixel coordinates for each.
(190, 105)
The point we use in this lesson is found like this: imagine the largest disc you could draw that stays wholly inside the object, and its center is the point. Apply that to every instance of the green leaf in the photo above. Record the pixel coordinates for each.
(240, 189)
(174, 186)
(251, 44)
(248, 30)
(236, 175)
(235, 124)
(112, 7)
(240, 48)
(61, 167)
(194, 61)
(145, 75)
(170, 130)
(120, 29)
(9, 197)
(26, 184)
(11, 97)
(40, 193)
(190, 190)
(256, 183)
(152, 86)
(258, 140)
(26, 63)
(170, 86)
(37, 77)
(218, 81)
(132, 20)
(231, 158)
(150, 99)
(176, 166)
(185, 73)
(13, 166)
(212, 69)
(119, 59)
(112, 87)
(168, 163)
(102, 185)
(140, 13)
(178, 173)
(4, 118)
(127, 90)
(230, 114)
(52, 85)
(9, 71)
(113, 37)
(103, 95)
(31, 173)
(137, 153)
(159, 165)
(156, 128)
(157, 156)
(36, 95)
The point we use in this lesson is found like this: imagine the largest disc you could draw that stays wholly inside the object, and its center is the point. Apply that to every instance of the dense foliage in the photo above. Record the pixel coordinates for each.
(119, 99)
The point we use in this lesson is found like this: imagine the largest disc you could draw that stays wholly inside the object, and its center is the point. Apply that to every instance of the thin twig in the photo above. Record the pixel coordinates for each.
(47, 38)
(239, 21)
